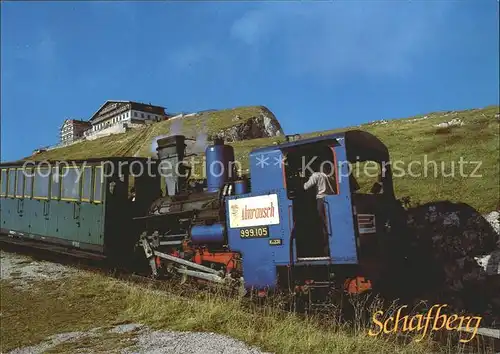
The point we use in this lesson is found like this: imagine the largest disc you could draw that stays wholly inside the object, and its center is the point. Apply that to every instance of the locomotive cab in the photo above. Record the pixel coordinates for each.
(309, 232)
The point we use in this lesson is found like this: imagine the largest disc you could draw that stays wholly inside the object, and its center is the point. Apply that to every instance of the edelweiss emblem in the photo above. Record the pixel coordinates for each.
(234, 210)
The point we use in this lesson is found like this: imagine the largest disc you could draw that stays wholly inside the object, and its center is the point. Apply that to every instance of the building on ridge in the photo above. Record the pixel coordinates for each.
(118, 112)
(72, 130)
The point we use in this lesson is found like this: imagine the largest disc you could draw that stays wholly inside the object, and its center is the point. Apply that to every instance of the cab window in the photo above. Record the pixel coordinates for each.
(302, 161)
(366, 178)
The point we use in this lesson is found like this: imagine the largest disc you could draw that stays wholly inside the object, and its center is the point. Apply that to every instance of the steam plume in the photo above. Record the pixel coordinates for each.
(154, 144)
(201, 142)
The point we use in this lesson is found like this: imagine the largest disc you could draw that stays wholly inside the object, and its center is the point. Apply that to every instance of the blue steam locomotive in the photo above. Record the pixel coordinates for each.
(264, 233)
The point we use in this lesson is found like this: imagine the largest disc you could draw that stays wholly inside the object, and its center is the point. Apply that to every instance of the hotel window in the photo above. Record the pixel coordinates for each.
(12, 183)
(135, 114)
(142, 115)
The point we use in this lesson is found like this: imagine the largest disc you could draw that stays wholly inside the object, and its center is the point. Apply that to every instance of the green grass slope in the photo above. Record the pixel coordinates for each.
(138, 141)
(414, 141)
(411, 142)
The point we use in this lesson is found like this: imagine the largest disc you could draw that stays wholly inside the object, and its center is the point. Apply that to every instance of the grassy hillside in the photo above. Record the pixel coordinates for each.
(138, 142)
(418, 139)
(412, 139)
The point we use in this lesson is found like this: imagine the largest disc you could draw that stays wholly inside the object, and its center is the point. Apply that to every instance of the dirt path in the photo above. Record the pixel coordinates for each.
(135, 338)
(24, 273)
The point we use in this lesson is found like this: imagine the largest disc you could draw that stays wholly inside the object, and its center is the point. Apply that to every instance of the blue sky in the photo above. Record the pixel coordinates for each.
(316, 65)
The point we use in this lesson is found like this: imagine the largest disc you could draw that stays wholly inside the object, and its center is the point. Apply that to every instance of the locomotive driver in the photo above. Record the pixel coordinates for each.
(324, 186)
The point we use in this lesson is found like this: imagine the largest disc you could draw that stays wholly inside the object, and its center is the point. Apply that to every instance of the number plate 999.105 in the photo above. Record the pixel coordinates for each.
(255, 232)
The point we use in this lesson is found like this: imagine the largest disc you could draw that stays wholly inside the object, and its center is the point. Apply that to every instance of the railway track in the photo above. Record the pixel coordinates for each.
(141, 136)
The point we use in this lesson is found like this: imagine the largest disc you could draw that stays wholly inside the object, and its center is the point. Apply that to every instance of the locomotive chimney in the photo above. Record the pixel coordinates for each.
(171, 152)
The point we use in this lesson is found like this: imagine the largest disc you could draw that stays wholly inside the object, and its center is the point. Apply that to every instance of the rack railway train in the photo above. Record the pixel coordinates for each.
(256, 234)
(260, 233)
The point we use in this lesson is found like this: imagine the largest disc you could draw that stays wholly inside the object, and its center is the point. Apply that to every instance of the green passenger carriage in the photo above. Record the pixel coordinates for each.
(78, 205)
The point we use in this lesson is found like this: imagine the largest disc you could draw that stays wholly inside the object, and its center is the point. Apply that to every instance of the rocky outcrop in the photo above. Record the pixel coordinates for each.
(264, 125)
(456, 250)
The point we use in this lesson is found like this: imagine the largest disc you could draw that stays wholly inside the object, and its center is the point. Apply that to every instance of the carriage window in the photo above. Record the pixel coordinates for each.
(55, 183)
(3, 178)
(28, 185)
(41, 184)
(87, 184)
(20, 183)
(70, 183)
(98, 181)
(12, 183)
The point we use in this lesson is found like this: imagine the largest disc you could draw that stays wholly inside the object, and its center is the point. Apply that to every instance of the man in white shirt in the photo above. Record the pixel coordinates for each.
(324, 186)
(322, 182)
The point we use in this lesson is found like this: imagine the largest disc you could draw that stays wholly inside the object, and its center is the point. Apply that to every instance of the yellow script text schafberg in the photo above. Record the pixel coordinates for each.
(422, 323)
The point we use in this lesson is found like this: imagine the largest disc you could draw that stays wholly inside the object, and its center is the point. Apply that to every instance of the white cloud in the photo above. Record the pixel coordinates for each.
(252, 27)
(325, 39)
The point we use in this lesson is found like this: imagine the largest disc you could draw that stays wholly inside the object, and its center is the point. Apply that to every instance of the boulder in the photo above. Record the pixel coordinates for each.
(264, 125)
(455, 253)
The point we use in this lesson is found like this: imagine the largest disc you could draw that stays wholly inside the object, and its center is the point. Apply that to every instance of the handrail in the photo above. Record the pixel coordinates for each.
(329, 218)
